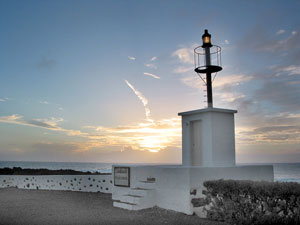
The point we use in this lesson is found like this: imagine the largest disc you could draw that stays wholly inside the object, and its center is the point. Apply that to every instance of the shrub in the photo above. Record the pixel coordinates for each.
(252, 202)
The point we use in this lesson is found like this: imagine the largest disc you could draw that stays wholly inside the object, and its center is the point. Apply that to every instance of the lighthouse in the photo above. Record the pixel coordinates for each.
(208, 137)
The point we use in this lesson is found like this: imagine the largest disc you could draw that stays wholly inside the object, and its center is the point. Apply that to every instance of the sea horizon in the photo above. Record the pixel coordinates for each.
(283, 172)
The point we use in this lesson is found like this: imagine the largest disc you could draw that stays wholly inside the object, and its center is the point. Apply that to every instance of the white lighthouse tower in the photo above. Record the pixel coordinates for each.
(208, 137)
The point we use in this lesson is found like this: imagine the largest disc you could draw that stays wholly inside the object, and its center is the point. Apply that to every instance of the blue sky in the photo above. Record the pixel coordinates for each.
(104, 80)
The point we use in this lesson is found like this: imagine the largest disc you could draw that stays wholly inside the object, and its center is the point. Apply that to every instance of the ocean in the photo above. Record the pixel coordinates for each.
(284, 172)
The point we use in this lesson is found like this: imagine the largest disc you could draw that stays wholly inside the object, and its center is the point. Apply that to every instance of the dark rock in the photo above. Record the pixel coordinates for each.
(193, 192)
(198, 202)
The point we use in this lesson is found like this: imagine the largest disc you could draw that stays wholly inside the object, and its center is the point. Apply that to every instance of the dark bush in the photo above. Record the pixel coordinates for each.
(251, 202)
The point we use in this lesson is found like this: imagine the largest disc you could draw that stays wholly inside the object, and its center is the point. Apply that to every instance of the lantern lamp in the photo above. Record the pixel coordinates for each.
(206, 39)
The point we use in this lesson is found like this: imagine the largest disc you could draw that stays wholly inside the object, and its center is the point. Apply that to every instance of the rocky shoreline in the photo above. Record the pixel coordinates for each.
(22, 171)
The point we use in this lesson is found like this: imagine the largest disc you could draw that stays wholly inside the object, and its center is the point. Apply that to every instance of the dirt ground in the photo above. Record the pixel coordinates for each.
(18, 206)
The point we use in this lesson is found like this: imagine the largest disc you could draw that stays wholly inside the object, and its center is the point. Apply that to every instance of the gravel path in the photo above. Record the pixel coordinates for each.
(19, 206)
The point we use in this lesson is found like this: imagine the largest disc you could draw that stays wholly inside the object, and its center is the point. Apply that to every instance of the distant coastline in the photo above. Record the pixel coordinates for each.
(43, 171)
(285, 172)
(76, 166)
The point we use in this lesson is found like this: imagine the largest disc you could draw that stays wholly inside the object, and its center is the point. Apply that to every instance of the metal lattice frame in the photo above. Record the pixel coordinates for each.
(200, 61)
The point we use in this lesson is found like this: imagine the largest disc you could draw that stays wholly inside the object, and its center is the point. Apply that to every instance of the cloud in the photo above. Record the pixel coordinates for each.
(219, 82)
(44, 102)
(226, 42)
(142, 136)
(192, 81)
(150, 65)
(46, 63)
(279, 87)
(281, 31)
(129, 155)
(281, 128)
(131, 58)
(183, 69)
(274, 134)
(279, 93)
(46, 151)
(60, 108)
(4, 99)
(143, 99)
(74, 151)
(231, 80)
(10, 119)
(258, 40)
(229, 96)
(185, 55)
(50, 124)
(276, 129)
(151, 75)
(270, 112)
(58, 147)
(228, 91)
(40, 123)
(290, 70)
(43, 123)
(147, 136)
(153, 58)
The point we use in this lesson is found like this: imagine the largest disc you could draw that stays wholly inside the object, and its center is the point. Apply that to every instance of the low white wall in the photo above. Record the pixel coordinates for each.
(175, 186)
(85, 183)
(173, 189)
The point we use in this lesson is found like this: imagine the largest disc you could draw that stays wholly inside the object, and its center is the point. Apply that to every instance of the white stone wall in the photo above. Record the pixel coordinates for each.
(85, 183)
(175, 186)
(173, 189)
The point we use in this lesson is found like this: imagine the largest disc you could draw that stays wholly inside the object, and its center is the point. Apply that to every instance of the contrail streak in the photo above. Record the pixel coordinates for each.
(143, 99)
(152, 75)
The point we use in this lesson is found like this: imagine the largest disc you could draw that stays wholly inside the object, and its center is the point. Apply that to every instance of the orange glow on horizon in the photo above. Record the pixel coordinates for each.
(148, 136)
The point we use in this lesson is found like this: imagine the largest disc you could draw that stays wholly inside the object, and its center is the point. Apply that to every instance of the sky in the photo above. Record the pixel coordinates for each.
(104, 81)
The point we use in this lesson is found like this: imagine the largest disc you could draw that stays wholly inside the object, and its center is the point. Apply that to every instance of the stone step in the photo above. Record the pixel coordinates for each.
(133, 199)
(146, 185)
(118, 192)
(125, 205)
(139, 191)
(129, 206)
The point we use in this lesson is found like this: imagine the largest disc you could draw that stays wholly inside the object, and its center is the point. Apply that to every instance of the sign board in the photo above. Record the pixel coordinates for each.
(122, 176)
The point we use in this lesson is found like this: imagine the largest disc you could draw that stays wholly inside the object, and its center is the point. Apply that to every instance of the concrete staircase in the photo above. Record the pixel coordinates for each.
(142, 196)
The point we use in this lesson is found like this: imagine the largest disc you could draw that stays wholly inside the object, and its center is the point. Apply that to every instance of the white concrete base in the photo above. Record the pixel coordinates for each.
(208, 138)
(176, 186)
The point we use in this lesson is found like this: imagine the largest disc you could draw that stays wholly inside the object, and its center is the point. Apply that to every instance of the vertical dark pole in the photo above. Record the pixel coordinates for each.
(208, 78)
(209, 90)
